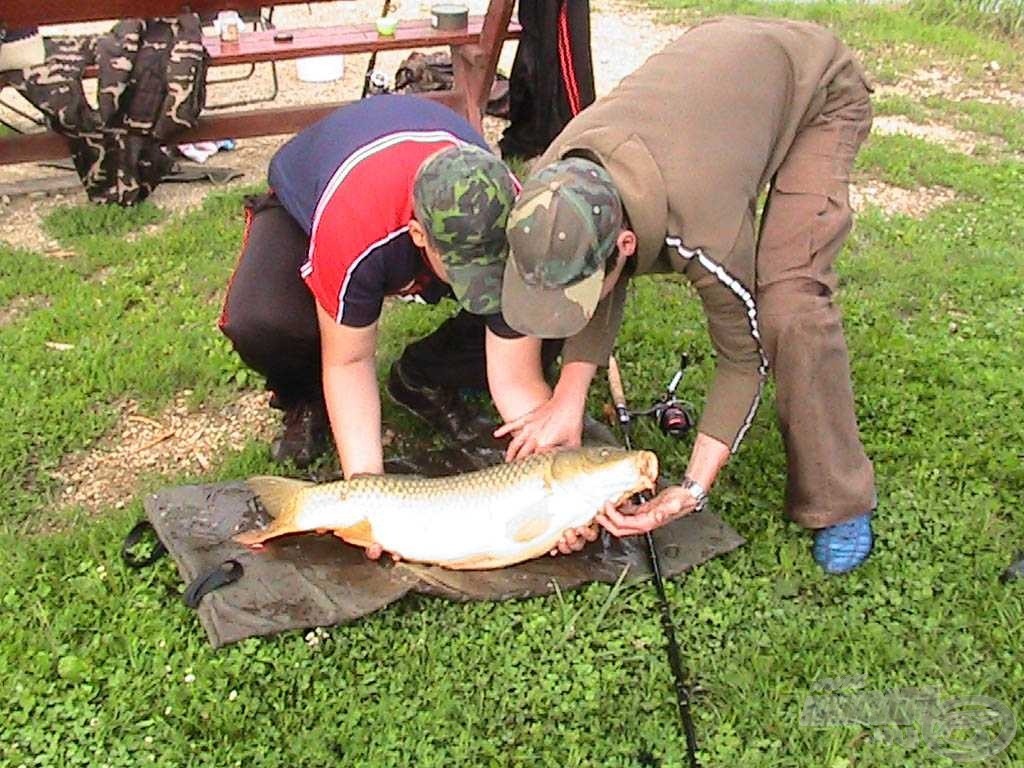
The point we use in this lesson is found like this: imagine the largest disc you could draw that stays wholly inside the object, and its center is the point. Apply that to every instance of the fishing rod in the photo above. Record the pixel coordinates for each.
(369, 77)
(675, 418)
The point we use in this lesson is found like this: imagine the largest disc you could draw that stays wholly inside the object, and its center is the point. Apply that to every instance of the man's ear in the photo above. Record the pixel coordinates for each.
(417, 233)
(626, 242)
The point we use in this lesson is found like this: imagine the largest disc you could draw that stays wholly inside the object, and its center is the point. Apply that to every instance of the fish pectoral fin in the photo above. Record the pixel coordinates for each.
(360, 534)
(529, 524)
(277, 494)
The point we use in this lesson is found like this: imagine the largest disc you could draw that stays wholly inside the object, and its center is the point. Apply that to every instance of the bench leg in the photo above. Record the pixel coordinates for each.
(469, 67)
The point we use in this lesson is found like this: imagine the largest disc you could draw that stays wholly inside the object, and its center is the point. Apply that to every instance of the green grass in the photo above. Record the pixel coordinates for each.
(1002, 16)
(141, 318)
(100, 659)
(892, 41)
(76, 222)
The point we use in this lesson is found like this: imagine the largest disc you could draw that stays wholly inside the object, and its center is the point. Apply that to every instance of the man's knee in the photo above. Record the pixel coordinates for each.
(778, 301)
(245, 333)
(793, 313)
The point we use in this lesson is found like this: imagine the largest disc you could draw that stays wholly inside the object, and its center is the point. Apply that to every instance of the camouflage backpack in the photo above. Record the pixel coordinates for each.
(152, 76)
(422, 72)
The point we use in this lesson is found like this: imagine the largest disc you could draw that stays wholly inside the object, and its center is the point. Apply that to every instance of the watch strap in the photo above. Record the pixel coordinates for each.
(698, 491)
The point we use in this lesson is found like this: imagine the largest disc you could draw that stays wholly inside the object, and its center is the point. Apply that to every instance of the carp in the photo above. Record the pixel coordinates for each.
(485, 519)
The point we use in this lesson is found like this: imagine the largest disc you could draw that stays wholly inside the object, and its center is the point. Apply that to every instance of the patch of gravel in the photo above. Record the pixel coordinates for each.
(948, 84)
(892, 201)
(21, 217)
(19, 306)
(964, 142)
(622, 37)
(177, 440)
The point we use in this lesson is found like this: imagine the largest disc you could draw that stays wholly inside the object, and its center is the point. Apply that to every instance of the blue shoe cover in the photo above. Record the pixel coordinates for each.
(841, 548)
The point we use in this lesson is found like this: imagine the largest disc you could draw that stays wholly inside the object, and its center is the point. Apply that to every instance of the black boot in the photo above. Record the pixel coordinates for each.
(441, 407)
(305, 435)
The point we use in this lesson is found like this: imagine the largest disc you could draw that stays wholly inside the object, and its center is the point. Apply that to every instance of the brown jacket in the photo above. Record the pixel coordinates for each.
(691, 139)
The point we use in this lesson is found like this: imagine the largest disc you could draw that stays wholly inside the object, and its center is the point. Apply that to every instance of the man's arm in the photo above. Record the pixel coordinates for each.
(351, 394)
(559, 422)
(514, 374)
(556, 423)
(732, 398)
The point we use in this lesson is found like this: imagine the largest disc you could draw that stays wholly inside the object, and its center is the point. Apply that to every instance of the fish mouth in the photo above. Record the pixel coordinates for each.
(647, 464)
(649, 469)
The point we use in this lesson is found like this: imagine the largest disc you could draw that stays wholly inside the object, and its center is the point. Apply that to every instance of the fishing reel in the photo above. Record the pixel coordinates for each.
(376, 83)
(674, 417)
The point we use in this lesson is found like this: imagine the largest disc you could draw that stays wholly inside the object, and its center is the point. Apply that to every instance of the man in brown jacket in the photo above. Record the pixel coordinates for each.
(664, 175)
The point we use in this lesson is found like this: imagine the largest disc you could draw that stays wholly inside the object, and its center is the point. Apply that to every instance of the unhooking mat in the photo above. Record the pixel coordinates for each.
(299, 582)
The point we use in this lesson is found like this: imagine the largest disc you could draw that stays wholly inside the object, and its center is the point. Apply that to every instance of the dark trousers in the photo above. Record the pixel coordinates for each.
(270, 317)
(552, 76)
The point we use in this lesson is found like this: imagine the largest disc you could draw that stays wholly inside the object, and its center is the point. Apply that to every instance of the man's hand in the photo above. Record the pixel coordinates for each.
(631, 520)
(374, 551)
(575, 539)
(555, 424)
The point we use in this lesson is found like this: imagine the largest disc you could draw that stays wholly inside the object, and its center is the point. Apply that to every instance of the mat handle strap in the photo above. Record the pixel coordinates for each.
(134, 537)
(226, 573)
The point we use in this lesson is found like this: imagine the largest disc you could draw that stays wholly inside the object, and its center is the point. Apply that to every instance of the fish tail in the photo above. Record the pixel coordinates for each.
(280, 497)
(277, 494)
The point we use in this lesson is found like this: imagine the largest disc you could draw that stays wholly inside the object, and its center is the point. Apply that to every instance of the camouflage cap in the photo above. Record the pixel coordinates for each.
(561, 232)
(462, 196)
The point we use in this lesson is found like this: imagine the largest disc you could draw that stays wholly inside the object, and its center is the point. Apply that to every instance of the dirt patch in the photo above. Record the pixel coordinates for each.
(948, 84)
(21, 219)
(20, 306)
(892, 201)
(178, 440)
(622, 37)
(962, 141)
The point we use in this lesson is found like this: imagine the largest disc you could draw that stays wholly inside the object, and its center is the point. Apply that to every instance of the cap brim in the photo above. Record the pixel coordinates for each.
(549, 313)
(477, 287)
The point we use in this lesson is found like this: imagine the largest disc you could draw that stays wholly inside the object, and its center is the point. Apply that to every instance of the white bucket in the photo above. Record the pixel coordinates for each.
(320, 69)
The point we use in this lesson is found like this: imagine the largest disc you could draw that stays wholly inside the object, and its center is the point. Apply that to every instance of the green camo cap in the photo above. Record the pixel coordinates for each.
(560, 233)
(462, 195)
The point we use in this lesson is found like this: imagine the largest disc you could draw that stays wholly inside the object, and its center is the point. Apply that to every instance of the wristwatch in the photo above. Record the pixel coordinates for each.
(699, 493)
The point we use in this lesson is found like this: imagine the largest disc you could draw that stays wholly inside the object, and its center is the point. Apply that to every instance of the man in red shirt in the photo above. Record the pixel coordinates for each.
(394, 195)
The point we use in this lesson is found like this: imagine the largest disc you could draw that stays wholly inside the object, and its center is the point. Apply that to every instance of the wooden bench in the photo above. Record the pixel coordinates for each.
(475, 52)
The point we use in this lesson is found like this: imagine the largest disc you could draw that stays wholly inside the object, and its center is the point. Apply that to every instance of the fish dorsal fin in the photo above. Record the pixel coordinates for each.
(277, 494)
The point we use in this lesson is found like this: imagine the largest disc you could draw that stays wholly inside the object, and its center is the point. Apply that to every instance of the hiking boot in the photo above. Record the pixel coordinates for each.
(440, 407)
(304, 436)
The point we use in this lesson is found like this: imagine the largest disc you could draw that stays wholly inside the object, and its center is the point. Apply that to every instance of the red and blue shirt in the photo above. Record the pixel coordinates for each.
(347, 180)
